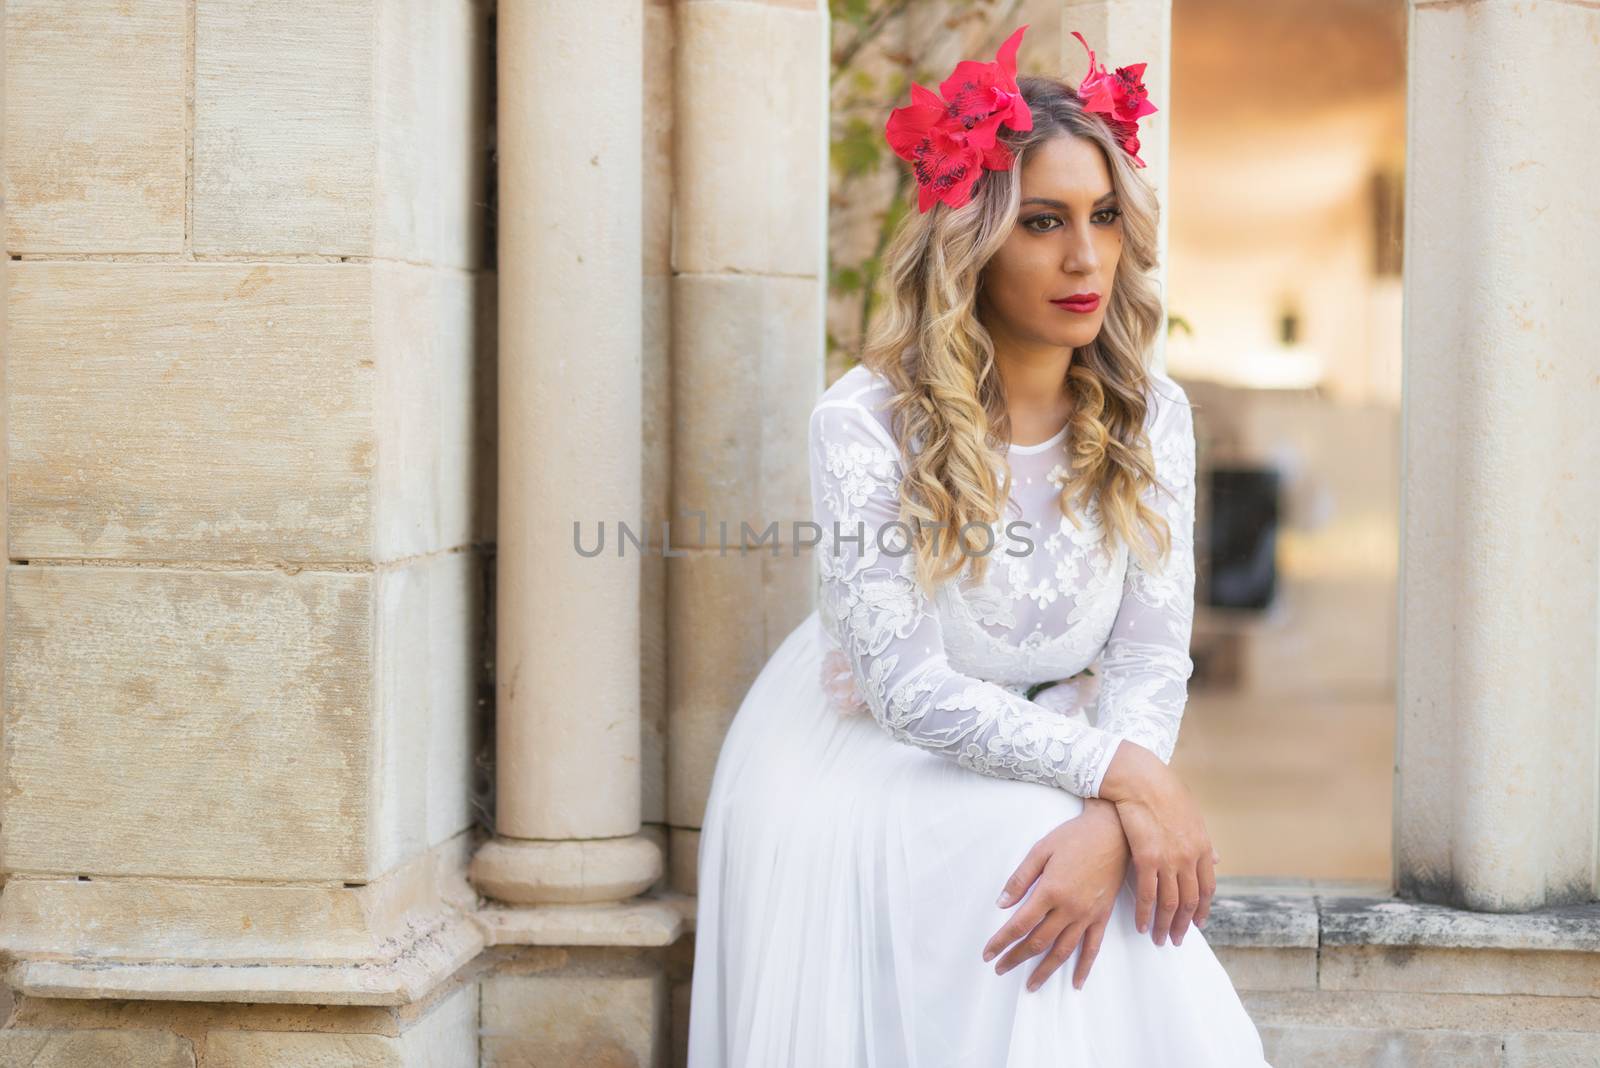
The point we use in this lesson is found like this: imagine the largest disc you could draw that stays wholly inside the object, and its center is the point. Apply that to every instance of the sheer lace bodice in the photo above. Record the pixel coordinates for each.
(949, 673)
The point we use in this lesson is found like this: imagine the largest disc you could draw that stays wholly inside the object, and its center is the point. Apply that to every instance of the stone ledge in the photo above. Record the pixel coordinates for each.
(650, 920)
(388, 942)
(1248, 912)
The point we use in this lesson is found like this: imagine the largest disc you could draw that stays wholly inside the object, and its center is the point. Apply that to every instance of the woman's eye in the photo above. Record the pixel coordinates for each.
(1105, 217)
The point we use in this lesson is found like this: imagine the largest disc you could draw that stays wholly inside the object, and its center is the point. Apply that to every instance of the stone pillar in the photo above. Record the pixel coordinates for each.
(567, 646)
(1496, 796)
(749, 250)
(1124, 32)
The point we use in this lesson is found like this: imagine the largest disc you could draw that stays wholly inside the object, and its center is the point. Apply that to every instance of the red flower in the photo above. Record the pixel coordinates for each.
(1122, 97)
(951, 138)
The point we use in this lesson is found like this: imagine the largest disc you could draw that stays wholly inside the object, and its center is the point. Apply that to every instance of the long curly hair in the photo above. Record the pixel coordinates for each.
(949, 397)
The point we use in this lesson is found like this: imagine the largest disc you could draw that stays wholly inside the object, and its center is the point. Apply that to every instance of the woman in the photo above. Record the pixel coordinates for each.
(888, 774)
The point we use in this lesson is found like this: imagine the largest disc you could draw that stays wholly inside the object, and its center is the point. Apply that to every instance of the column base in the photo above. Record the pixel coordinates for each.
(573, 871)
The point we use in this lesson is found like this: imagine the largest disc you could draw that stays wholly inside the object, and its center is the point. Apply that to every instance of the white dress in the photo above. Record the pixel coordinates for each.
(868, 804)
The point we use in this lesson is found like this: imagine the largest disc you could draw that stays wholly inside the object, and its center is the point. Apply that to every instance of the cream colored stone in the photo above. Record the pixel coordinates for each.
(188, 723)
(607, 1021)
(716, 634)
(1498, 799)
(221, 412)
(321, 393)
(265, 179)
(270, 1049)
(584, 870)
(1269, 967)
(425, 409)
(433, 76)
(642, 921)
(569, 388)
(1317, 1047)
(1551, 1049)
(388, 942)
(1459, 971)
(94, 126)
(750, 139)
(747, 370)
(447, 1037)
(34, 1048)
(1391, 1010)
(430, 624)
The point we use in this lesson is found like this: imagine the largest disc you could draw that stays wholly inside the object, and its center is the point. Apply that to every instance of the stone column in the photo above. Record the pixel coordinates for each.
(567, 625)
(1124, 32)
(749, 249)
(1496, 795)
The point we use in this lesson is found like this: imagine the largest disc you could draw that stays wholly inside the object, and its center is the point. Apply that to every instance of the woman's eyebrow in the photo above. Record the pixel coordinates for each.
(1049, 203)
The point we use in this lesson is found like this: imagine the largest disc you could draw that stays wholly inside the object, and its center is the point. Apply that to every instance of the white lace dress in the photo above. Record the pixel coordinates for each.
(886, 773)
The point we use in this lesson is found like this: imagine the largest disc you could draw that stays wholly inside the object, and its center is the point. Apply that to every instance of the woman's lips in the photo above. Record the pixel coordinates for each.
(1079, 302)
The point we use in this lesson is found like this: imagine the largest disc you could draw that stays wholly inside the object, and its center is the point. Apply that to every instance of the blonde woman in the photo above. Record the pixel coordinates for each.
(1005, 495)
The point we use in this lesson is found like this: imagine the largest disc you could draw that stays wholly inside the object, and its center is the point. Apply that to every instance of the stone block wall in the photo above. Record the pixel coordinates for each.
(249, 505)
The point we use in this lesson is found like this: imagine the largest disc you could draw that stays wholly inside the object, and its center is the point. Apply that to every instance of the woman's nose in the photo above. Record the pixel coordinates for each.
(1080, 257)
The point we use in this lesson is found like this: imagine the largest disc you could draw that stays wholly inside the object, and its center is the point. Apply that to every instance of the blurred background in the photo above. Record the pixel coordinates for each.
(1284, 303)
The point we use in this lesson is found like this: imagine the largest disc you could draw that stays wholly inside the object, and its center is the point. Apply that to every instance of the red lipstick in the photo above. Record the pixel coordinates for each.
(1078, 302)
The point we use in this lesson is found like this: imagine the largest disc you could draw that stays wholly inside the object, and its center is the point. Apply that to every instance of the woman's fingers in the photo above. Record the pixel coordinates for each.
(1166, 905)
(1038, 939)
(1032, 864)
(1147, 882)
(1091, 949)
(1208, 887)
(1188, 901)
(1060, 950)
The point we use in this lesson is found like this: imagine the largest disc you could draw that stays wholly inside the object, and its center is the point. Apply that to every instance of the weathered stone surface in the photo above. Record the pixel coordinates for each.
(217, 411)
(265, 179)
(163, 722)
(1317, 1047)
(746, 366)
(22, 1047)
(755, 205)
(430, 619)
(1261, 919)
(568, 1017)
(426, 409)
(1361, 921)
(388, 942)
(447, 1037)
(433, 73)
(1459, 971)
(1551, 1049)
(1269, 967)
(94, 126)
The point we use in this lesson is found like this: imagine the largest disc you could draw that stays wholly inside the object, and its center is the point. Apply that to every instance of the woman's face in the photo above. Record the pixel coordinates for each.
(1065, 244)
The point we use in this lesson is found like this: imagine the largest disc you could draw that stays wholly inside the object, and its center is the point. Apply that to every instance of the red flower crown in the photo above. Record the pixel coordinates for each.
(951, 137)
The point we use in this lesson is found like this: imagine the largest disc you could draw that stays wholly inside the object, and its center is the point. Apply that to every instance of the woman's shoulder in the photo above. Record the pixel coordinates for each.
(860, 399)
(1166, 403)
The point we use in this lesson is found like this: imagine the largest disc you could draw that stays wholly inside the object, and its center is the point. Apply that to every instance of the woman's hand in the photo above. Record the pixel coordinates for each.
(1173, 861)
(1079, 868)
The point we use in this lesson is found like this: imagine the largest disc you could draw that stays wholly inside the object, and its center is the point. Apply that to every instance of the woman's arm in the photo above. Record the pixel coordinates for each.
(1145, 667)
(891, 633)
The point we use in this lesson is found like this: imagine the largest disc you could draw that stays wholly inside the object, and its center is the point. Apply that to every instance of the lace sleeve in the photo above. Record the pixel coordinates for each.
(892, 636)
(1145, 666)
